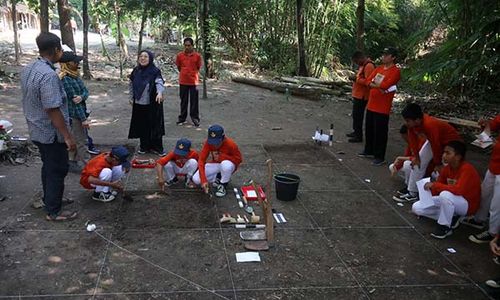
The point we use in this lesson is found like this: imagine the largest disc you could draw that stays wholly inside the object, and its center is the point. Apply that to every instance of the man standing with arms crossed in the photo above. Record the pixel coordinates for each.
(46, 112)
(188, 63)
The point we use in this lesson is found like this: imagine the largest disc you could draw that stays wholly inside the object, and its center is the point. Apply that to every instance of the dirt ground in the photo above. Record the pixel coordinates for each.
(344, 237)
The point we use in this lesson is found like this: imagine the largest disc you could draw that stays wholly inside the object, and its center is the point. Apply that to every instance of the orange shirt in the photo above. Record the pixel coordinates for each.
(179, 160)
(360, 89)
(438, 133)
(94, 168)
(494, 165)
(464, 181)
(228, 150)
(379, 101)
(189, 66)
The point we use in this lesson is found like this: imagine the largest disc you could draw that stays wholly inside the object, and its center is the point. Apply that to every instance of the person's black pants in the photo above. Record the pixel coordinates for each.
(189, 95)
(54, 169)
(358, 114)
(148, 143)
(376, 130)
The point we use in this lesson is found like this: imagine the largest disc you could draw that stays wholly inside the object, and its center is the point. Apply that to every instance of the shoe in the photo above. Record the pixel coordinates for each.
(221, 191)
(188, 183)
(172, 182)
(163, 153)
(408, 197)
(196, 123)
(351, 135)
(114, 193)
(496, 260)
(93, 150)
(365, 155)
(470, 221)
(216, 183)
(378, 162)
(493, 283)
(442, 232)
(103, 197)
(355, 140)
(455, 221)
(140, 151)
(180, 123)
(481, 238)
(402, 191)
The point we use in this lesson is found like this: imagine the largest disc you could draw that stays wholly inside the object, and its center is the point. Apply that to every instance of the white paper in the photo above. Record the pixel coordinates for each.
(279, 217)
(392, 88)
(424, 196)
(251, 194)
(247, 257)
(451, 250)
(484, 137)
(483, 140)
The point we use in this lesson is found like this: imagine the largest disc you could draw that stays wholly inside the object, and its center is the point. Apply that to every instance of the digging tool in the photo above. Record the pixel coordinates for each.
(242, 202)
(254, 235)
(256, 245)
(243, 226)
(254, 219)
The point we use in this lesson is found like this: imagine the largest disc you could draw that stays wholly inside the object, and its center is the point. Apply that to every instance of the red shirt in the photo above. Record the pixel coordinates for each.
(360, 89)
(189, 65)
(438, 133)
(94, 168)
(228, 150)
(464, 181)
(179, 160)
(494, 165)
(379, 101)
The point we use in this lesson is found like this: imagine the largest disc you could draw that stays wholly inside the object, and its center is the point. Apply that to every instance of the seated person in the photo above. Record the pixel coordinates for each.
(456, 192)
(103, 173)
(219, 156)
(182, 160)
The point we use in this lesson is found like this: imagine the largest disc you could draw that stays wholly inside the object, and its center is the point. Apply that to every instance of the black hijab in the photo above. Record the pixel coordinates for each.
(144, 75)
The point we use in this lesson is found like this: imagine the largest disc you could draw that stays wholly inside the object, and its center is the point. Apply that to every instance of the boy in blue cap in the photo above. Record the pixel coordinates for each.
(220, 156)
(103, 173)
(182, 160)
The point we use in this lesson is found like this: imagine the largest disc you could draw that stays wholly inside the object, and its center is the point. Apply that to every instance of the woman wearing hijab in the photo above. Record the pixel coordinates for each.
(146, 91)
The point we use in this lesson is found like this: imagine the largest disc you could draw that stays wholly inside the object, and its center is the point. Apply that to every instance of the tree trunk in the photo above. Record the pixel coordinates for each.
(44, 15)
(143, 22)
(206, 47)
(17, 47)
(302, 68)
(119, 36)
(360, 25)
(65, 24)
(197, 32)
(86, 68)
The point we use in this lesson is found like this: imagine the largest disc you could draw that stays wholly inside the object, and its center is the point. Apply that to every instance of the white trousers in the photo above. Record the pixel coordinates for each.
(225, 168)
(109, 175)
(171, 169)
(446, 205)
(417, 173)
(405, 171)
(490, 202)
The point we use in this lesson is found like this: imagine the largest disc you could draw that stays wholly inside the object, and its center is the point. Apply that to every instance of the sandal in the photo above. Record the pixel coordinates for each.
(62, 216)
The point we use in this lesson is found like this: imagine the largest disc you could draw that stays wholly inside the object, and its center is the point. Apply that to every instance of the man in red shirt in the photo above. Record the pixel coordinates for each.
(104, 172)
(456, 192)
(188, 63)
(490, 192)
(219, 158)
(382, 83)
(183, 160)
(360, 93)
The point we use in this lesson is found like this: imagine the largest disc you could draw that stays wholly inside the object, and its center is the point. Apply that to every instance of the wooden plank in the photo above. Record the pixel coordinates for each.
(460, 122)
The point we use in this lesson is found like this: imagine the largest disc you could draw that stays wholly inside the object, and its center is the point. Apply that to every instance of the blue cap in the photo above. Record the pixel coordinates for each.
(215, 134)
(182, 147)
(121, 153)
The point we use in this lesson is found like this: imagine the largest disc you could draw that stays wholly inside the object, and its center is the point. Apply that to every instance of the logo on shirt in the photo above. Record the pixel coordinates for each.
(181, 146)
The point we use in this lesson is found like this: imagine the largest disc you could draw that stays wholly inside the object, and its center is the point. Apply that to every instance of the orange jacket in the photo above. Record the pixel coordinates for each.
(189, 65)
(379, 101)
(438, 133)
(228, 150)
(94, 168)
(179, 160)
(494, 165)
(464, 181)
(360, 89)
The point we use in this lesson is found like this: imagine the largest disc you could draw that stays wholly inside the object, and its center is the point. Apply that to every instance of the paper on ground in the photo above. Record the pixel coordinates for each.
(247, 257)
(483, 140)
(424, 196)
(279, 217)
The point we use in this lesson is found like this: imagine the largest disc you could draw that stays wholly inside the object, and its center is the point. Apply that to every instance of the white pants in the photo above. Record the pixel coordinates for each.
(446, 205)
(225, 168)
(171, 169)
(405, 171)
(417, 173)
(490, 202)
(109, 175)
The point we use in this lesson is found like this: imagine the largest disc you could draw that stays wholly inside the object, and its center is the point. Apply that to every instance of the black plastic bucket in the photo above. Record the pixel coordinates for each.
(287, 186)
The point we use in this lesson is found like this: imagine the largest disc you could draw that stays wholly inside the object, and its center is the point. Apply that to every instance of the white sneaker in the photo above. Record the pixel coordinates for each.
(103, 197)
(221, 191)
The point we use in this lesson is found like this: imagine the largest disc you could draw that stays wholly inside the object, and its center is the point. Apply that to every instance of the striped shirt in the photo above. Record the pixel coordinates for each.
(42, 90)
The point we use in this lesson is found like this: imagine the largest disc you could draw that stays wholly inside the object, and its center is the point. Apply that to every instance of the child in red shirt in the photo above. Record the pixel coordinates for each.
(456, 192)
(183, 160)
(219, 158)
(104, 172)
